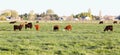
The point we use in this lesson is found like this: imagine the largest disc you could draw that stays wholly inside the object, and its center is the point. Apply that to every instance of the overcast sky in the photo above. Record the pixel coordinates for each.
(63, 7)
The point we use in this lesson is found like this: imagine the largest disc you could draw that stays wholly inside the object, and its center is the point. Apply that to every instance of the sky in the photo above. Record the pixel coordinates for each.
(63, 7)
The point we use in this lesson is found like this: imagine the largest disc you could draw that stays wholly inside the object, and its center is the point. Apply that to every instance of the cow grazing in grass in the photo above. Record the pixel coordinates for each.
(101, 22)
(37, 27)
(109, 27)
(28, 25)
(12, 22)
(18, 27)
(114, 22)
(68, 27)
(56, 27)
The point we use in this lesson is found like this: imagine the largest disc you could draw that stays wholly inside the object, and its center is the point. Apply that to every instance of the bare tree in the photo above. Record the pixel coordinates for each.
(31, 15)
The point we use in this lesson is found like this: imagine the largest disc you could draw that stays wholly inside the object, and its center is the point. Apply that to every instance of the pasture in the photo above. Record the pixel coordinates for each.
(84, 39)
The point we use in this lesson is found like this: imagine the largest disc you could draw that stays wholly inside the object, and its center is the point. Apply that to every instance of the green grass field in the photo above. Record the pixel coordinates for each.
(84, 39)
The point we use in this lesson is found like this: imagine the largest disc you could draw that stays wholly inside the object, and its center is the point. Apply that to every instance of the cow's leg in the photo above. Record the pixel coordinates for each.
(19, 29)
(111, 29)
(14, 29)
(104, 29)
(25, 27)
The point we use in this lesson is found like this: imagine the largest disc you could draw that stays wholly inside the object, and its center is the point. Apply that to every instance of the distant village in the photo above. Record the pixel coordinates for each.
(49, 15)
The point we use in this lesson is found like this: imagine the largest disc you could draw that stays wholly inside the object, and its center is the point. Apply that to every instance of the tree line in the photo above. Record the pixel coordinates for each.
(48, 15)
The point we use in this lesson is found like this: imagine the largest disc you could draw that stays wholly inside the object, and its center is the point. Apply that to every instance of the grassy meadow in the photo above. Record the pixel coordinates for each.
(86, 38)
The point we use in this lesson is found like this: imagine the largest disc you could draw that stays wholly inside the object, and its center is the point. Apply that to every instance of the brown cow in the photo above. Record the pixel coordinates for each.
(18, 27)
(37, 27)
(29, 25)
(56, 27)
(114, 22)
(101, 22)
(68, 27)
(109, 27)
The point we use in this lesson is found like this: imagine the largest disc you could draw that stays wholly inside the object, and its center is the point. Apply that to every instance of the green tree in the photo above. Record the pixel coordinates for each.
(24, 16)
(56, 17)
(42, 14)
(6, 13)
(14, 13)
(52, 15)
(84, 14)
(10, 13)
(2, 18)
(49, 12)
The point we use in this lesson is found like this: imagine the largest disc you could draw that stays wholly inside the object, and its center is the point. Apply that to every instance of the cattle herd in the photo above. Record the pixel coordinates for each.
(55, 27)
(114, 22)
(108, 27)
(67, 28)
(37, 26)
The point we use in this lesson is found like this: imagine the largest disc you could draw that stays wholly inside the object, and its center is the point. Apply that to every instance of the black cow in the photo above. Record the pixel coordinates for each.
(12, 22)
(29, 25)
(56, 28)
(109, 27)
(18, 27)
(101, 22)
(114, 22)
